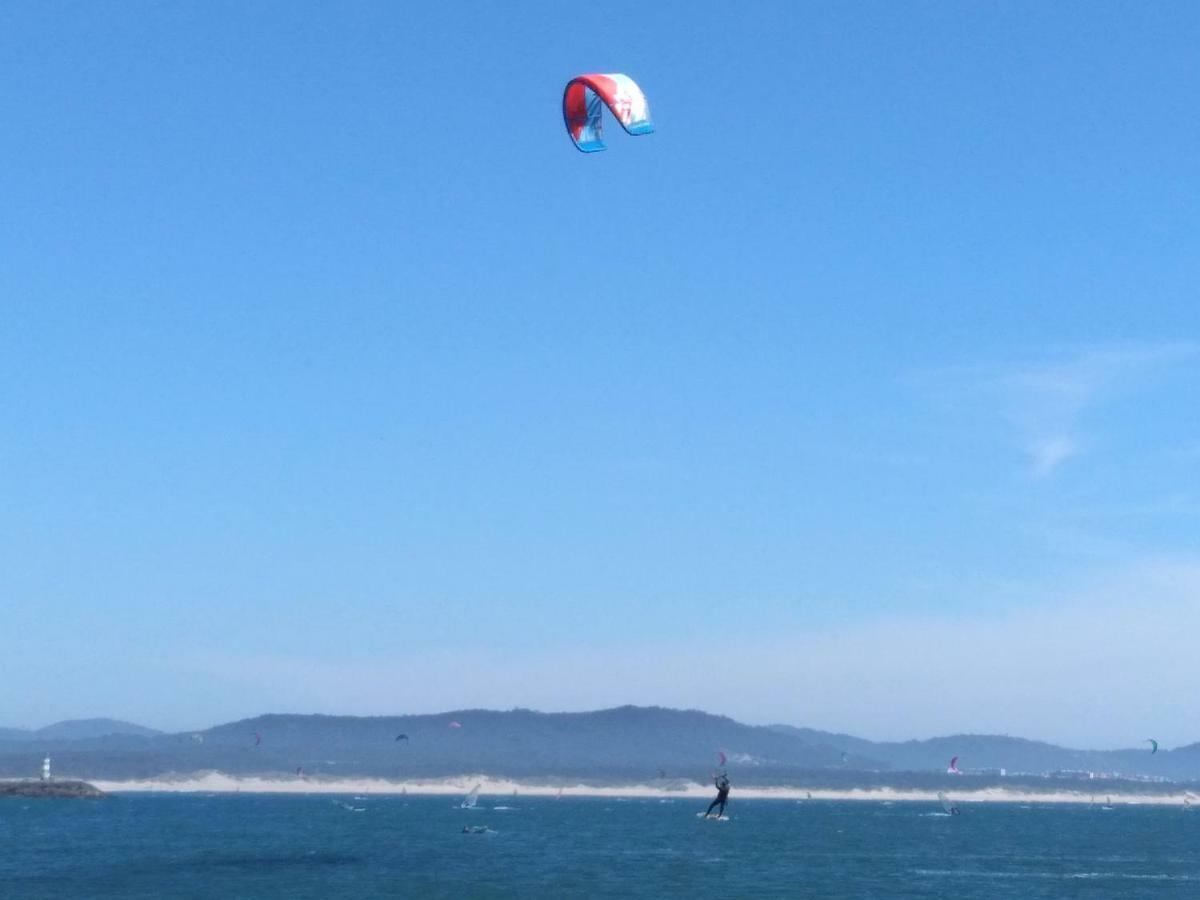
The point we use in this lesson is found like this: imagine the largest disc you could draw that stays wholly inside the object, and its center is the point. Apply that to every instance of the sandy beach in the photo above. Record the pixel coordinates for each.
(219, 782)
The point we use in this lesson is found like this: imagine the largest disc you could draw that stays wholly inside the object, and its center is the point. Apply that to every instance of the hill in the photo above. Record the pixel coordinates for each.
(76, 730)
(82, 729)
(628, 744)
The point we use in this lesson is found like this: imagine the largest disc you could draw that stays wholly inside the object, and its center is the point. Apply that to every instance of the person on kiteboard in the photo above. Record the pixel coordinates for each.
(722, 785)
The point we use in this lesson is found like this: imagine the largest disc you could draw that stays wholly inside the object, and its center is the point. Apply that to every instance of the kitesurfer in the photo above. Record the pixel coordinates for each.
(722, 784)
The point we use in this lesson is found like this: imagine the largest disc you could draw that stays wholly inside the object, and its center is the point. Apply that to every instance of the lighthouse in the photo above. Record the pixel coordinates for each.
(46, 769)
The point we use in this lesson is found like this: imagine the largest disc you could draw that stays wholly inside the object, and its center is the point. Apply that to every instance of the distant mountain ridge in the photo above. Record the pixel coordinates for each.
(990, 752)
(627, 744)
(77, 729)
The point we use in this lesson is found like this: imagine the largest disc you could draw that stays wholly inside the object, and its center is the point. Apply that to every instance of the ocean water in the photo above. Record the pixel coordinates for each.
(249, 846)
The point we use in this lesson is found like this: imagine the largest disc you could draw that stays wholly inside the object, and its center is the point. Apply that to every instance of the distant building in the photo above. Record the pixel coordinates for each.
(46, 769)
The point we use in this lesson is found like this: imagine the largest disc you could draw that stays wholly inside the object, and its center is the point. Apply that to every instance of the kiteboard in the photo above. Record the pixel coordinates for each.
(714, 818)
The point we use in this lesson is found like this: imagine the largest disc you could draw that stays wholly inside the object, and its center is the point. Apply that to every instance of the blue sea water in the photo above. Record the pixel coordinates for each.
(250, 846)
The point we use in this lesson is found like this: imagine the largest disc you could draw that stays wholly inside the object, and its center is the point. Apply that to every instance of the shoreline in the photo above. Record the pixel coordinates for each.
(220, 783)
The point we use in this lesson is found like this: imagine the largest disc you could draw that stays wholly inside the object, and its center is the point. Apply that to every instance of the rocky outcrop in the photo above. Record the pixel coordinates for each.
(49, 789)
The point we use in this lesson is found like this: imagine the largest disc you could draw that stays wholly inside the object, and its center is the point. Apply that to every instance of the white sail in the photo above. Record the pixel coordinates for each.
(947, 806)
(472, 798)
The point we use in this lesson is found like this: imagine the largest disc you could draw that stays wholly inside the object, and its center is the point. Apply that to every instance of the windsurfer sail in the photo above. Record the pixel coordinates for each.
(949, 808)
(471, 799)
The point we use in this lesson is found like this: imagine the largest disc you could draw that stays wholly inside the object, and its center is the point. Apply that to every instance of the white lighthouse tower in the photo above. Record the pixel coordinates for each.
(46, 769)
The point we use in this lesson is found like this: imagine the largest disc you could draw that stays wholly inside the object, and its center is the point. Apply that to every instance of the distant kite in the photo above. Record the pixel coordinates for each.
(1153, 745)
(401, 737)
(582, 110)
(257, 739)
(454, 725)
(953, 769)
(721, 758)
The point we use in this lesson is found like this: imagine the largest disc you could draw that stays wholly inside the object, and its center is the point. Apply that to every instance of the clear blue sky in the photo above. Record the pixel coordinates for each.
(332, 378)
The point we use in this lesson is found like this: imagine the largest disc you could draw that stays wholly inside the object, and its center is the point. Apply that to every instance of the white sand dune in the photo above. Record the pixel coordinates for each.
(219, 782)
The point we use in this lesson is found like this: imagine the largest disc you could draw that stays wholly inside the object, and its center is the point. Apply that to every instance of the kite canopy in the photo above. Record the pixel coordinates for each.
(401, 737)
(582, 112)
(1153, 745)
(454, 725)
(721, 757)
(953, 769)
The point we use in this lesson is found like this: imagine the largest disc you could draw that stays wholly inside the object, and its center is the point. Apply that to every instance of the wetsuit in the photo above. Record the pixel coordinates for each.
(722, 785)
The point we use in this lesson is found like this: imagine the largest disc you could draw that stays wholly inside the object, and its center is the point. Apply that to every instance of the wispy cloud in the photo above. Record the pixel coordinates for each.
(1044, 402)
(1047, 453)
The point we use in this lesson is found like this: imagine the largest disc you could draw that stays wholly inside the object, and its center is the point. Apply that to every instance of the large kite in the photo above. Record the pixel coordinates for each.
(582, 108)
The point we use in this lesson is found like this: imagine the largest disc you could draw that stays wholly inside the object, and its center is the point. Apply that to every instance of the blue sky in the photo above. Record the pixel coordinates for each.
(861, 395)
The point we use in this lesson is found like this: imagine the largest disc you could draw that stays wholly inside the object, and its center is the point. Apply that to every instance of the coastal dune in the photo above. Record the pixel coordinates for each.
(220, 782)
